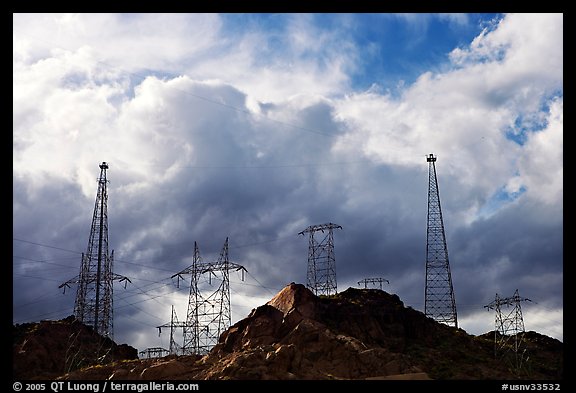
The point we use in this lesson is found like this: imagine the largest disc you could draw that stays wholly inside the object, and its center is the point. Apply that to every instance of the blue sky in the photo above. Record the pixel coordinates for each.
(255, 126)
(395, 48)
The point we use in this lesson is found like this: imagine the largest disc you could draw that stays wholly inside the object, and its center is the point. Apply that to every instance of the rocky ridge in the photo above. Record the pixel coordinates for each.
(356, 334)
(48, 349)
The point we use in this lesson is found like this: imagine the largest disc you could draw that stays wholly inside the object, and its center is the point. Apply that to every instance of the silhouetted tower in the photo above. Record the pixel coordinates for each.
(509, 331)
(174, 348)
(154, 352)
(209, 312)
(440, 303)
(94, 300)
(373, 281)
(321, 275)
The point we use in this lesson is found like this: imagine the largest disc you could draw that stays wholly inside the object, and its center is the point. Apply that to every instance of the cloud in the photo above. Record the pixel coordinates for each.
(208, 139)
(541, 167)
(126, 41)
(462, 114)
(297, 57)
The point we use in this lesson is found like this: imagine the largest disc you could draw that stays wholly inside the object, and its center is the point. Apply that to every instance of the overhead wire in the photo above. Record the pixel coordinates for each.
(222, 104)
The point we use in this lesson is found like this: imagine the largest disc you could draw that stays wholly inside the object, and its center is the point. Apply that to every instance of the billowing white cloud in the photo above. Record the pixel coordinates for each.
(541, 164)
(298, 58)
(129, 42)
(464, 115)
(256, 135)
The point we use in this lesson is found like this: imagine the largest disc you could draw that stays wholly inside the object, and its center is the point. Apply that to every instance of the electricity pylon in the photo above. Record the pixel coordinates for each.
(94, 300)
(154, 352)
(209, 315)
(373, 281)
(509, 331)
(321, 275)
(174, 348)
(439, 303)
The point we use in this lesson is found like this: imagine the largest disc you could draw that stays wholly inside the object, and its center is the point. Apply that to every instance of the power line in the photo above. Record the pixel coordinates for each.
(41, 298)
(45, 245)
(134, 261)
(276, 166)
(47, 261)
(40, 316)
(39, 278)
(140, 289)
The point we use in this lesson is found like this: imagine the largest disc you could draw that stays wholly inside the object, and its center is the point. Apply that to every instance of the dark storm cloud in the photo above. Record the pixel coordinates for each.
(498, 254)
(198, 160)
(46, 215)
(260, 186)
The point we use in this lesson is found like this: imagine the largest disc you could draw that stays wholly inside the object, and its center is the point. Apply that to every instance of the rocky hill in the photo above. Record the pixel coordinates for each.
(48, 349)
(356, 334)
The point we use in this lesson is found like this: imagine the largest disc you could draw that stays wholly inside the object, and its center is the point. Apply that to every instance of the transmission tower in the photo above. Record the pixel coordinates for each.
(373, 281)
(94, 300)
(174, 348)
(154, 352)
(209, 314)
(321, 276)
(440, 303)
(509, 331)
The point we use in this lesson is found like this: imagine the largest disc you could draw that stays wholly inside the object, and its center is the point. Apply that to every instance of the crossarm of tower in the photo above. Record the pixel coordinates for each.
(206, 267)
(67, 284)
(121, 278)
(507, 301)
(313, 228)
(237, 267)
(76, 280)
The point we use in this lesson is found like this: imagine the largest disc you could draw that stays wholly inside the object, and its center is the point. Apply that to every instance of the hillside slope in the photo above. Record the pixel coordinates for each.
(48, 349)
(356, 334)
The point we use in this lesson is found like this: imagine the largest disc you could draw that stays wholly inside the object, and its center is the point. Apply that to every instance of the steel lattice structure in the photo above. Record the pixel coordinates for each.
(174, 348)
(440, 303)
(209, 314)
(509, 331)
(94, 294)
(373, 281)
(154, 352)
(321, 275)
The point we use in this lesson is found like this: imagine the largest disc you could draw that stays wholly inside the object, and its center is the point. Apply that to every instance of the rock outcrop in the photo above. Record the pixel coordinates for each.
(297, 335)
(48, 349)
(356, 334)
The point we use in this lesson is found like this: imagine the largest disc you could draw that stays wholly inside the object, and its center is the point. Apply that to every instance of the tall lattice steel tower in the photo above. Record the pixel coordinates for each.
(321, 275)
(174, 348)
(439, 303)
(509, 331)
(94, 300)
(209, 312)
